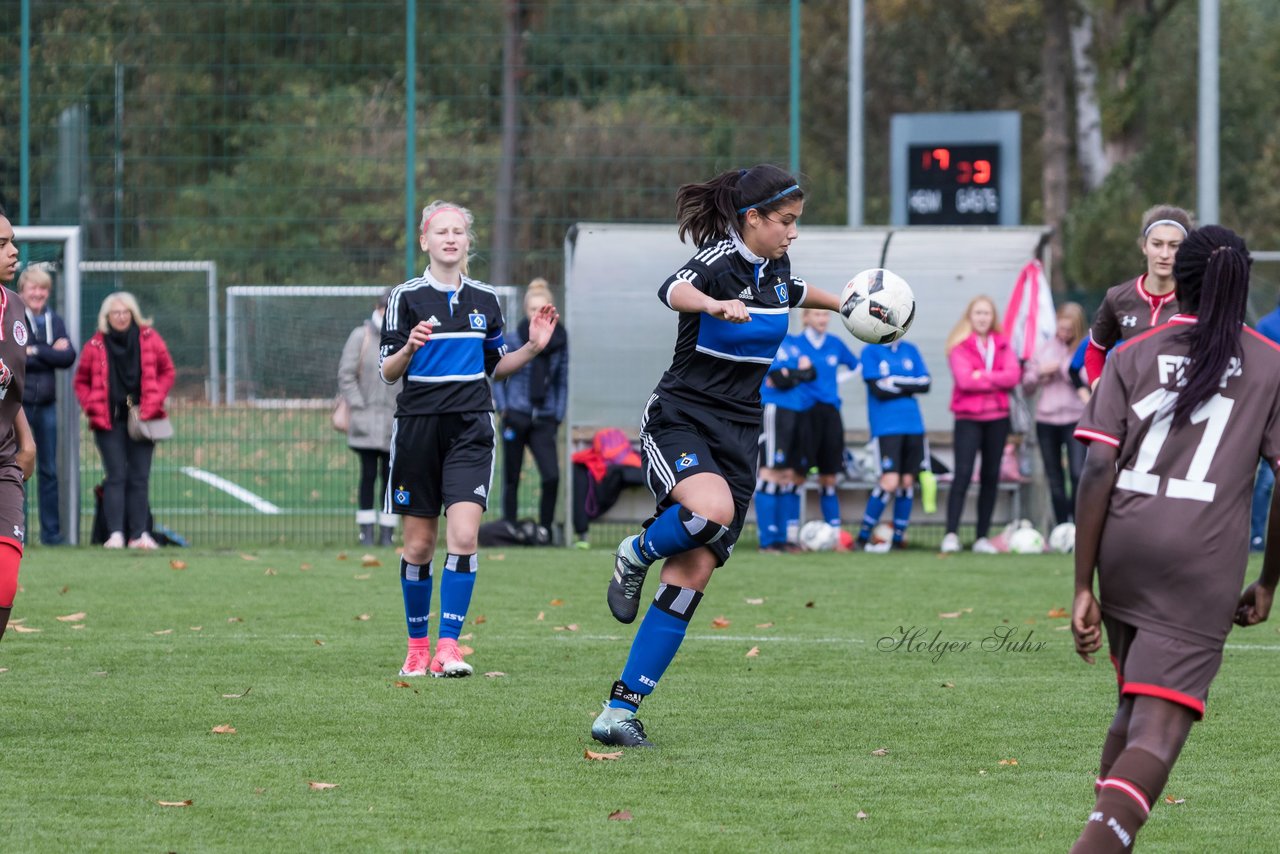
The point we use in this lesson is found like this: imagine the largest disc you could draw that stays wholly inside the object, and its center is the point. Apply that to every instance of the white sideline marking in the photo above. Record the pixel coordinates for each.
(257, 502)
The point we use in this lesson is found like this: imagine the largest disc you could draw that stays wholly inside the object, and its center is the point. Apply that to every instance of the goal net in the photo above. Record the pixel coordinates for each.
(283, 342)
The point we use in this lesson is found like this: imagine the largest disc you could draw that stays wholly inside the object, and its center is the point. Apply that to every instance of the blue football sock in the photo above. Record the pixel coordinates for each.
(830, 504)
(677, 530)
(875, 507)
(456, 584)
(415, 584)
(656, 643)
(902, 502)
(766, 499)
(789, 510)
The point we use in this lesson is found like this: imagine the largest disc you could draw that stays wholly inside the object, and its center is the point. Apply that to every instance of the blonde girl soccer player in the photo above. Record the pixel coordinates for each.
(442, 333)
(701, 425)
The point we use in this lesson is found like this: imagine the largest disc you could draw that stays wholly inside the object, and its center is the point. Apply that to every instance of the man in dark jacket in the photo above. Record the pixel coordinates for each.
(48, 349)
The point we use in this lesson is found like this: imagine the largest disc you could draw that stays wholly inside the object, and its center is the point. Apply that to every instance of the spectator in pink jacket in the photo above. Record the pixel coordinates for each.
(1059, 407)
(983, 370)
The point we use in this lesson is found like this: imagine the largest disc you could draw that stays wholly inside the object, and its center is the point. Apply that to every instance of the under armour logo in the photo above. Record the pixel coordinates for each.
(1129, 321)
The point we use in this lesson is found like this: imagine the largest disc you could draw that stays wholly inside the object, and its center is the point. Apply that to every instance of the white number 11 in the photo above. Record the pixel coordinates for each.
(1216, 410)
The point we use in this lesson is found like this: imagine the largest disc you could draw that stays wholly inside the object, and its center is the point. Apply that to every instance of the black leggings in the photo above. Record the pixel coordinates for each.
(372, 464)
(970, 438)
(1052, 439)
(520, 431)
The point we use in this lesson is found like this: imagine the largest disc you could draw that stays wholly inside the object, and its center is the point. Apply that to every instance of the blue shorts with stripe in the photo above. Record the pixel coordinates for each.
(678, 441)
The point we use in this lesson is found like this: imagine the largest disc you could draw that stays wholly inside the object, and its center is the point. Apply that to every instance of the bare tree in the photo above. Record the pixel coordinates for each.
(1090, 154)
(1055, 62)
(504, 195)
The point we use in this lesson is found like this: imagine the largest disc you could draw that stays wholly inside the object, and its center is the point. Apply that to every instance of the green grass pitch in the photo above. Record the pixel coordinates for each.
(105, 715)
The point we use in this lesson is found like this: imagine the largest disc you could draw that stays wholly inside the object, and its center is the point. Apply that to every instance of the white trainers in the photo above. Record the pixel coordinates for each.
(983, 546)
(115, 541)
(950, 543)
(145, 542)
(878, 548)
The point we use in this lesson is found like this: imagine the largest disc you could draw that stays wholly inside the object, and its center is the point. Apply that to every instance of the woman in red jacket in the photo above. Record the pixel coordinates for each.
(984, 370)
(125, 361)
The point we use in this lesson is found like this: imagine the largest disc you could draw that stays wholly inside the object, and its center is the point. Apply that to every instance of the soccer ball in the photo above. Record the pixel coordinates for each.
(882, 533)
(1026, 541)
(877, 306)
(1062, 539)
(818, 536)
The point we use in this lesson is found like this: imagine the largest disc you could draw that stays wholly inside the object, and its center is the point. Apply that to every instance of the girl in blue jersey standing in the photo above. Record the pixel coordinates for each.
(443, 334)
(832, 361)
(701, 425)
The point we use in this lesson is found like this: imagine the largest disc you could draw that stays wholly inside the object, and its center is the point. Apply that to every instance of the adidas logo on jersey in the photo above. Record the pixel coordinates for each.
(480, 490)
(746, 294)
(433, 320)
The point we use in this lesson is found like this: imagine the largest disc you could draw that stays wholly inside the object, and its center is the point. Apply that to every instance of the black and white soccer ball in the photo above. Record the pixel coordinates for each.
(818, 536)
(1062, 539)
(877, 306)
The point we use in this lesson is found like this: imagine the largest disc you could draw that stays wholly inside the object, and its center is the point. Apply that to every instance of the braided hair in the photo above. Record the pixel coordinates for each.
(1212, 274)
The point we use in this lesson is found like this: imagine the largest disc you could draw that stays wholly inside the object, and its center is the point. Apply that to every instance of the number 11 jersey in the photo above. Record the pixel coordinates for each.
(1176, 539)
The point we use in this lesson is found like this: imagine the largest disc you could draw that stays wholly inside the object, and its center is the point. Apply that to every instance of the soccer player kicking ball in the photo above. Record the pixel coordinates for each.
(1162, 515)
(700, 428)
(17, 447)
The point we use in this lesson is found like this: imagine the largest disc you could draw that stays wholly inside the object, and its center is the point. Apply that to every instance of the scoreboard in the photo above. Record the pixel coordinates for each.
(955, 169)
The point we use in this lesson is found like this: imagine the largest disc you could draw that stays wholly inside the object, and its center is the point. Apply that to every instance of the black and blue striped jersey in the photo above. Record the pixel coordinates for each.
(717, 364)
(448, 373)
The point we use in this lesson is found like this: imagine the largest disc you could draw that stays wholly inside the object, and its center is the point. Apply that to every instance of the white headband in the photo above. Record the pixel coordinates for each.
(1171, 222)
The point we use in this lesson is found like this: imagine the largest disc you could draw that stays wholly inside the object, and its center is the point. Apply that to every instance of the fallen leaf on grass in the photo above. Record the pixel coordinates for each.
(163, 632)
(467, 636)
(196, 628)
(244, 693)
(950, 615)
(23, 630)
(304, 566)
(463, 649)
(319, 787)
(4, 670)
(185, 803)
(1058, 613)
(556, 603)
(235, 619)
(363, 577)
(369, 560)
(319, 642)
(572, 627)
(719, 623)
(1170, 799)
(341, 555)
(65, 588)
(78, 626)
(620, 815)
(244, 556)
(542, 615)
(754, 601)
(401, 684)
(479, 621)
(753, 652)
(880, 751)
(764, 625)
(495, 674)
(270, 571)
(1065, 628)
(499, 556)
(177, 564)
(601, 757)
(948, 684)
(809, 604)
(1008, 762)
(224, 729)
(862, 816)
(364, 618)
(72, 618)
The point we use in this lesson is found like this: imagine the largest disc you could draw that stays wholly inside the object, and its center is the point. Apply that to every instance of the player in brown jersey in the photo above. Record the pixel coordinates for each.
(1132, 307)
(17, 447)
(1175, 429)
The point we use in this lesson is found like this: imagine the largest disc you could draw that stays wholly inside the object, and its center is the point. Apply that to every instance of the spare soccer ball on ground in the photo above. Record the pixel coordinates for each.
(882, 533)
(877, 306)
(1026, 541)
(818, 536)
(1062, 539)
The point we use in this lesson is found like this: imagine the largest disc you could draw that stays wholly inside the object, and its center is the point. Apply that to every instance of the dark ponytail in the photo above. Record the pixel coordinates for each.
(710, 210)
(1212, 274)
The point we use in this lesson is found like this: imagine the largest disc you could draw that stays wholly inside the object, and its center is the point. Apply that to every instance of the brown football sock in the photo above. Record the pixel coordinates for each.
(1124, 801)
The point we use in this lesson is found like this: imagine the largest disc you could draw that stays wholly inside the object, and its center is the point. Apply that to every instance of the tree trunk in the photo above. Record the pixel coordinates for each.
(1055, 62)
(504, 201)
(1090, 154)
